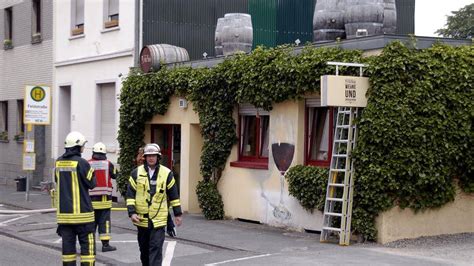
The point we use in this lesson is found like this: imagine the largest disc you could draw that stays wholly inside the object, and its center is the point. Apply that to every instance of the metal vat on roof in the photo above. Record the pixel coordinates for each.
(389, 16)
(328, 20)
(364, 16)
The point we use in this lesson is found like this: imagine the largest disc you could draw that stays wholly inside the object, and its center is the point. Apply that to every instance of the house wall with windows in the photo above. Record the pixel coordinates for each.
(94, 46)
(253, 189)
(251, 185)
(26, 56)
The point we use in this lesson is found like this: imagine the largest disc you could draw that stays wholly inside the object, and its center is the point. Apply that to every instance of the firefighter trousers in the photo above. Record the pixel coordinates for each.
(102, 221)
(150, 241)
(85, 235)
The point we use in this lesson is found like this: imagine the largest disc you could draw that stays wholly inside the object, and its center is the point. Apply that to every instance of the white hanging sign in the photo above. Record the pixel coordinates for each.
(344, 91)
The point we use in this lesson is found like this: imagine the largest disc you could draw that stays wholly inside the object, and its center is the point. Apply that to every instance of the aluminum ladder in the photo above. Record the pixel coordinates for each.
(338, 205)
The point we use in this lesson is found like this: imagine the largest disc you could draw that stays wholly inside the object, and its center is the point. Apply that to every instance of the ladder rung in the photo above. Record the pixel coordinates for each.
(335, 199)
(333, 214)
(338, 170)
(341, 140)
(344, 112)
(336, 185)
(342, 126)
(331, 229)
(340, 155)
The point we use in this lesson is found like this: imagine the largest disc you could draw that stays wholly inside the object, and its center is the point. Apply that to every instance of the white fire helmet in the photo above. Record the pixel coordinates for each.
(151, 149)
(99, 147)
(74, 138)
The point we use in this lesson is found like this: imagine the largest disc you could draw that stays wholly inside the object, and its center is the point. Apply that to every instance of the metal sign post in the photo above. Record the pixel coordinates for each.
(29, 157)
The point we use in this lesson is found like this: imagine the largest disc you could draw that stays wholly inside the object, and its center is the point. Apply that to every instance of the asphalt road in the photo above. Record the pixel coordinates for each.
(15, 252)
(31, 239)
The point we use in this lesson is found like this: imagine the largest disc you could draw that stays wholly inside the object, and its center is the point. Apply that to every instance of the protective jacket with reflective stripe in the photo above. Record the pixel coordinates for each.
(148, 196)
(74, 177)
(104, 172)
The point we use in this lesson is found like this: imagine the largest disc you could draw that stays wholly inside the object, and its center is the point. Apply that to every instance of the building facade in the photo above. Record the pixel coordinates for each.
(94, 45)
(26, 58)
(251, 185)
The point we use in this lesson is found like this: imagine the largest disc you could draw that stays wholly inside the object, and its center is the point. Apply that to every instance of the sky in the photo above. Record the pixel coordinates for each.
(430, 15)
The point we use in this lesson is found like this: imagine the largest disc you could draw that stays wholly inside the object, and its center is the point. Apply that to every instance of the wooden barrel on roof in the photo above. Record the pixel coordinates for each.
(237, 33)
(221, 22)
(153, 56)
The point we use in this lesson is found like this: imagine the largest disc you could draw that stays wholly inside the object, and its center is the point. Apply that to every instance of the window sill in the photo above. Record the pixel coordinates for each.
(80, 36)
(321, 164)
(250, 165)
(110, 29)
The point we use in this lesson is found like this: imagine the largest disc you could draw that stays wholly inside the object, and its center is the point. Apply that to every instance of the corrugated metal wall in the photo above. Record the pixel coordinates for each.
(191, 23)
(264, 22)
(295, 21)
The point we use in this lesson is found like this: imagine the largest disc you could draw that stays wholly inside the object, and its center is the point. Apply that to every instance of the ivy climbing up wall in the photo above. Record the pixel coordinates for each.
(415, 134)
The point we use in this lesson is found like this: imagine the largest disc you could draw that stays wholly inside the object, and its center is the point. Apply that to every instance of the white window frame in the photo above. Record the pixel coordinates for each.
(77, 28)
(111, 18)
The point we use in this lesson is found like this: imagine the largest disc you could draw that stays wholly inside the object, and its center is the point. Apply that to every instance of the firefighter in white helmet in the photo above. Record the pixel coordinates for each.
(151, 186)
(75, 215)
(101, 195)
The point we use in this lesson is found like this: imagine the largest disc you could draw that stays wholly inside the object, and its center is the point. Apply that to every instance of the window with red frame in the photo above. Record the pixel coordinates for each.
(253, 141)
(319, 135)
(254, 137)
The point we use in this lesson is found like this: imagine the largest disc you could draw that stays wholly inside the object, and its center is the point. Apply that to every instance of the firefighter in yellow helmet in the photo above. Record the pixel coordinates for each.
(75, 215)
(151, 186)
(101, 195)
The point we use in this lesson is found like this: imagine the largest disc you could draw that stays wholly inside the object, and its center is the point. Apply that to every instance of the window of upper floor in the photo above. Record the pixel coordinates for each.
(77, 17)
(111, 13)
(21, 121)
(8, 22)
(36, 21)
(3, 116)
(319, 130)
(253, 138)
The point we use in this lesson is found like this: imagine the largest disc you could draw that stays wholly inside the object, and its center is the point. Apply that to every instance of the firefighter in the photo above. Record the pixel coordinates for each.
(75, 215)
(101, 195)
(170, 228)
(150, 188)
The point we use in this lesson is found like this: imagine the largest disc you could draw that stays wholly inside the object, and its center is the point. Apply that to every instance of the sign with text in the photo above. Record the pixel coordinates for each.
(344, 91)
(29, 145)
(29, 161)
(37, 107)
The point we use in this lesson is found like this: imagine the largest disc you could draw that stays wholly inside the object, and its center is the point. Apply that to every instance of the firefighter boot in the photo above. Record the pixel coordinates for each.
(106, 247)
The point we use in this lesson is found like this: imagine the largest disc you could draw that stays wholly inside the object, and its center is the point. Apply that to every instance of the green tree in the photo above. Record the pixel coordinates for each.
(460, 24)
